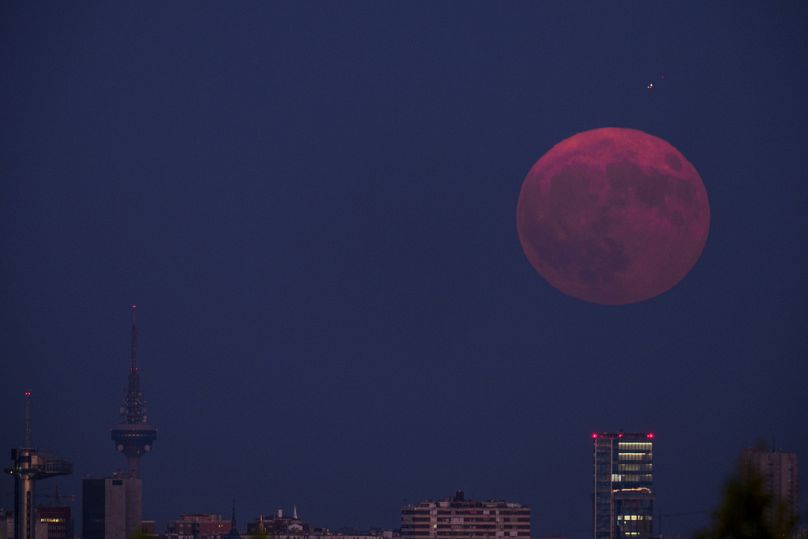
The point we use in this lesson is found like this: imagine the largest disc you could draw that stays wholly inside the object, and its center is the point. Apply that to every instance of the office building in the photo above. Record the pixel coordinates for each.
(57, 521)
(108, 505)
(623, 485)
(458, 518)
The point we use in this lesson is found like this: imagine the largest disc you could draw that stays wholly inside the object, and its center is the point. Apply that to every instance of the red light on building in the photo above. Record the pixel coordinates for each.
(650, 435)
(620, 435)
(27, 393)
(594, 435)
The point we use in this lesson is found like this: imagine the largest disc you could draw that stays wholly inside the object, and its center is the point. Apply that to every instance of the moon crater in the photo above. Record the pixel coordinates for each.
(613, 216)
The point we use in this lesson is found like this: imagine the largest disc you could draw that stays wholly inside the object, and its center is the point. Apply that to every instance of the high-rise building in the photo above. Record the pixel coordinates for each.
(623, 497)
(458, 518)
(106, 507)
(779, 473)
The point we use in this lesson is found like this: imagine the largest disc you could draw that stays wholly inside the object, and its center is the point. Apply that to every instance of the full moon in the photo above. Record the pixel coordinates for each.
(613, 216)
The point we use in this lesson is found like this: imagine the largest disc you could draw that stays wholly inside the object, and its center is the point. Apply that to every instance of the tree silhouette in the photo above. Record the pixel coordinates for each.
(747, 511)
(260, 533)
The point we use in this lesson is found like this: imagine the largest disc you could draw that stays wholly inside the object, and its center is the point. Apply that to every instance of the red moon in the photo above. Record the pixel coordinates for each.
(613, 216)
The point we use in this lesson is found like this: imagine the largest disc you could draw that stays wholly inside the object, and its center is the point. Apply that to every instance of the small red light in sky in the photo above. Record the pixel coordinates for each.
(650, 435)
(27, 393)
(594, 435)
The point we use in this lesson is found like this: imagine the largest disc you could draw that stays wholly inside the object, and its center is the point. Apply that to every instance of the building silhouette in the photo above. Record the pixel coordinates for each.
(459, 518)
(202, 525)
(57, 521)
(623, 480)
(280, 524)
(106, 507)
(780, 474)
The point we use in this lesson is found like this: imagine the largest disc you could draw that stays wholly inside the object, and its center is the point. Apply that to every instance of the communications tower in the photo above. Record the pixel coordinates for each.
(28, 466)
(133, 436)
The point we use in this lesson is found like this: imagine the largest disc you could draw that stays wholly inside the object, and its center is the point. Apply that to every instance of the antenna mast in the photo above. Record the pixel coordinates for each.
(134, 408)
(28, 443)
(133, 436)
(133, 343)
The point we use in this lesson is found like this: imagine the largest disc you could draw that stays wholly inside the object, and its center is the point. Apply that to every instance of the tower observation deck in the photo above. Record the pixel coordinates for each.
(133, 436)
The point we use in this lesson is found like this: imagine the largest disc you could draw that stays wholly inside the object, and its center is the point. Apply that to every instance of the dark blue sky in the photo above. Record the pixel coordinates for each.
(313, 205)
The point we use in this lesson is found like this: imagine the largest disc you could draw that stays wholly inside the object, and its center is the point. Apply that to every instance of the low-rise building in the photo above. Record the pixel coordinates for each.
(459, 518)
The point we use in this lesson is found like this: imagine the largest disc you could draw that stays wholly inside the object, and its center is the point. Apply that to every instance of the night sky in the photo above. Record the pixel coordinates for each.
(313, 206)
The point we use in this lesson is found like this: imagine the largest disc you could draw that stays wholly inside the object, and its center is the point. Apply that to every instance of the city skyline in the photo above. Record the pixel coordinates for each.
(314, 208)
(622, 461)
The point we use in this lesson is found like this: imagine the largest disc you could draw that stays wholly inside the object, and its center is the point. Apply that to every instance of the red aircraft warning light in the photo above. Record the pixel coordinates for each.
(650, 435)
(594, 435)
